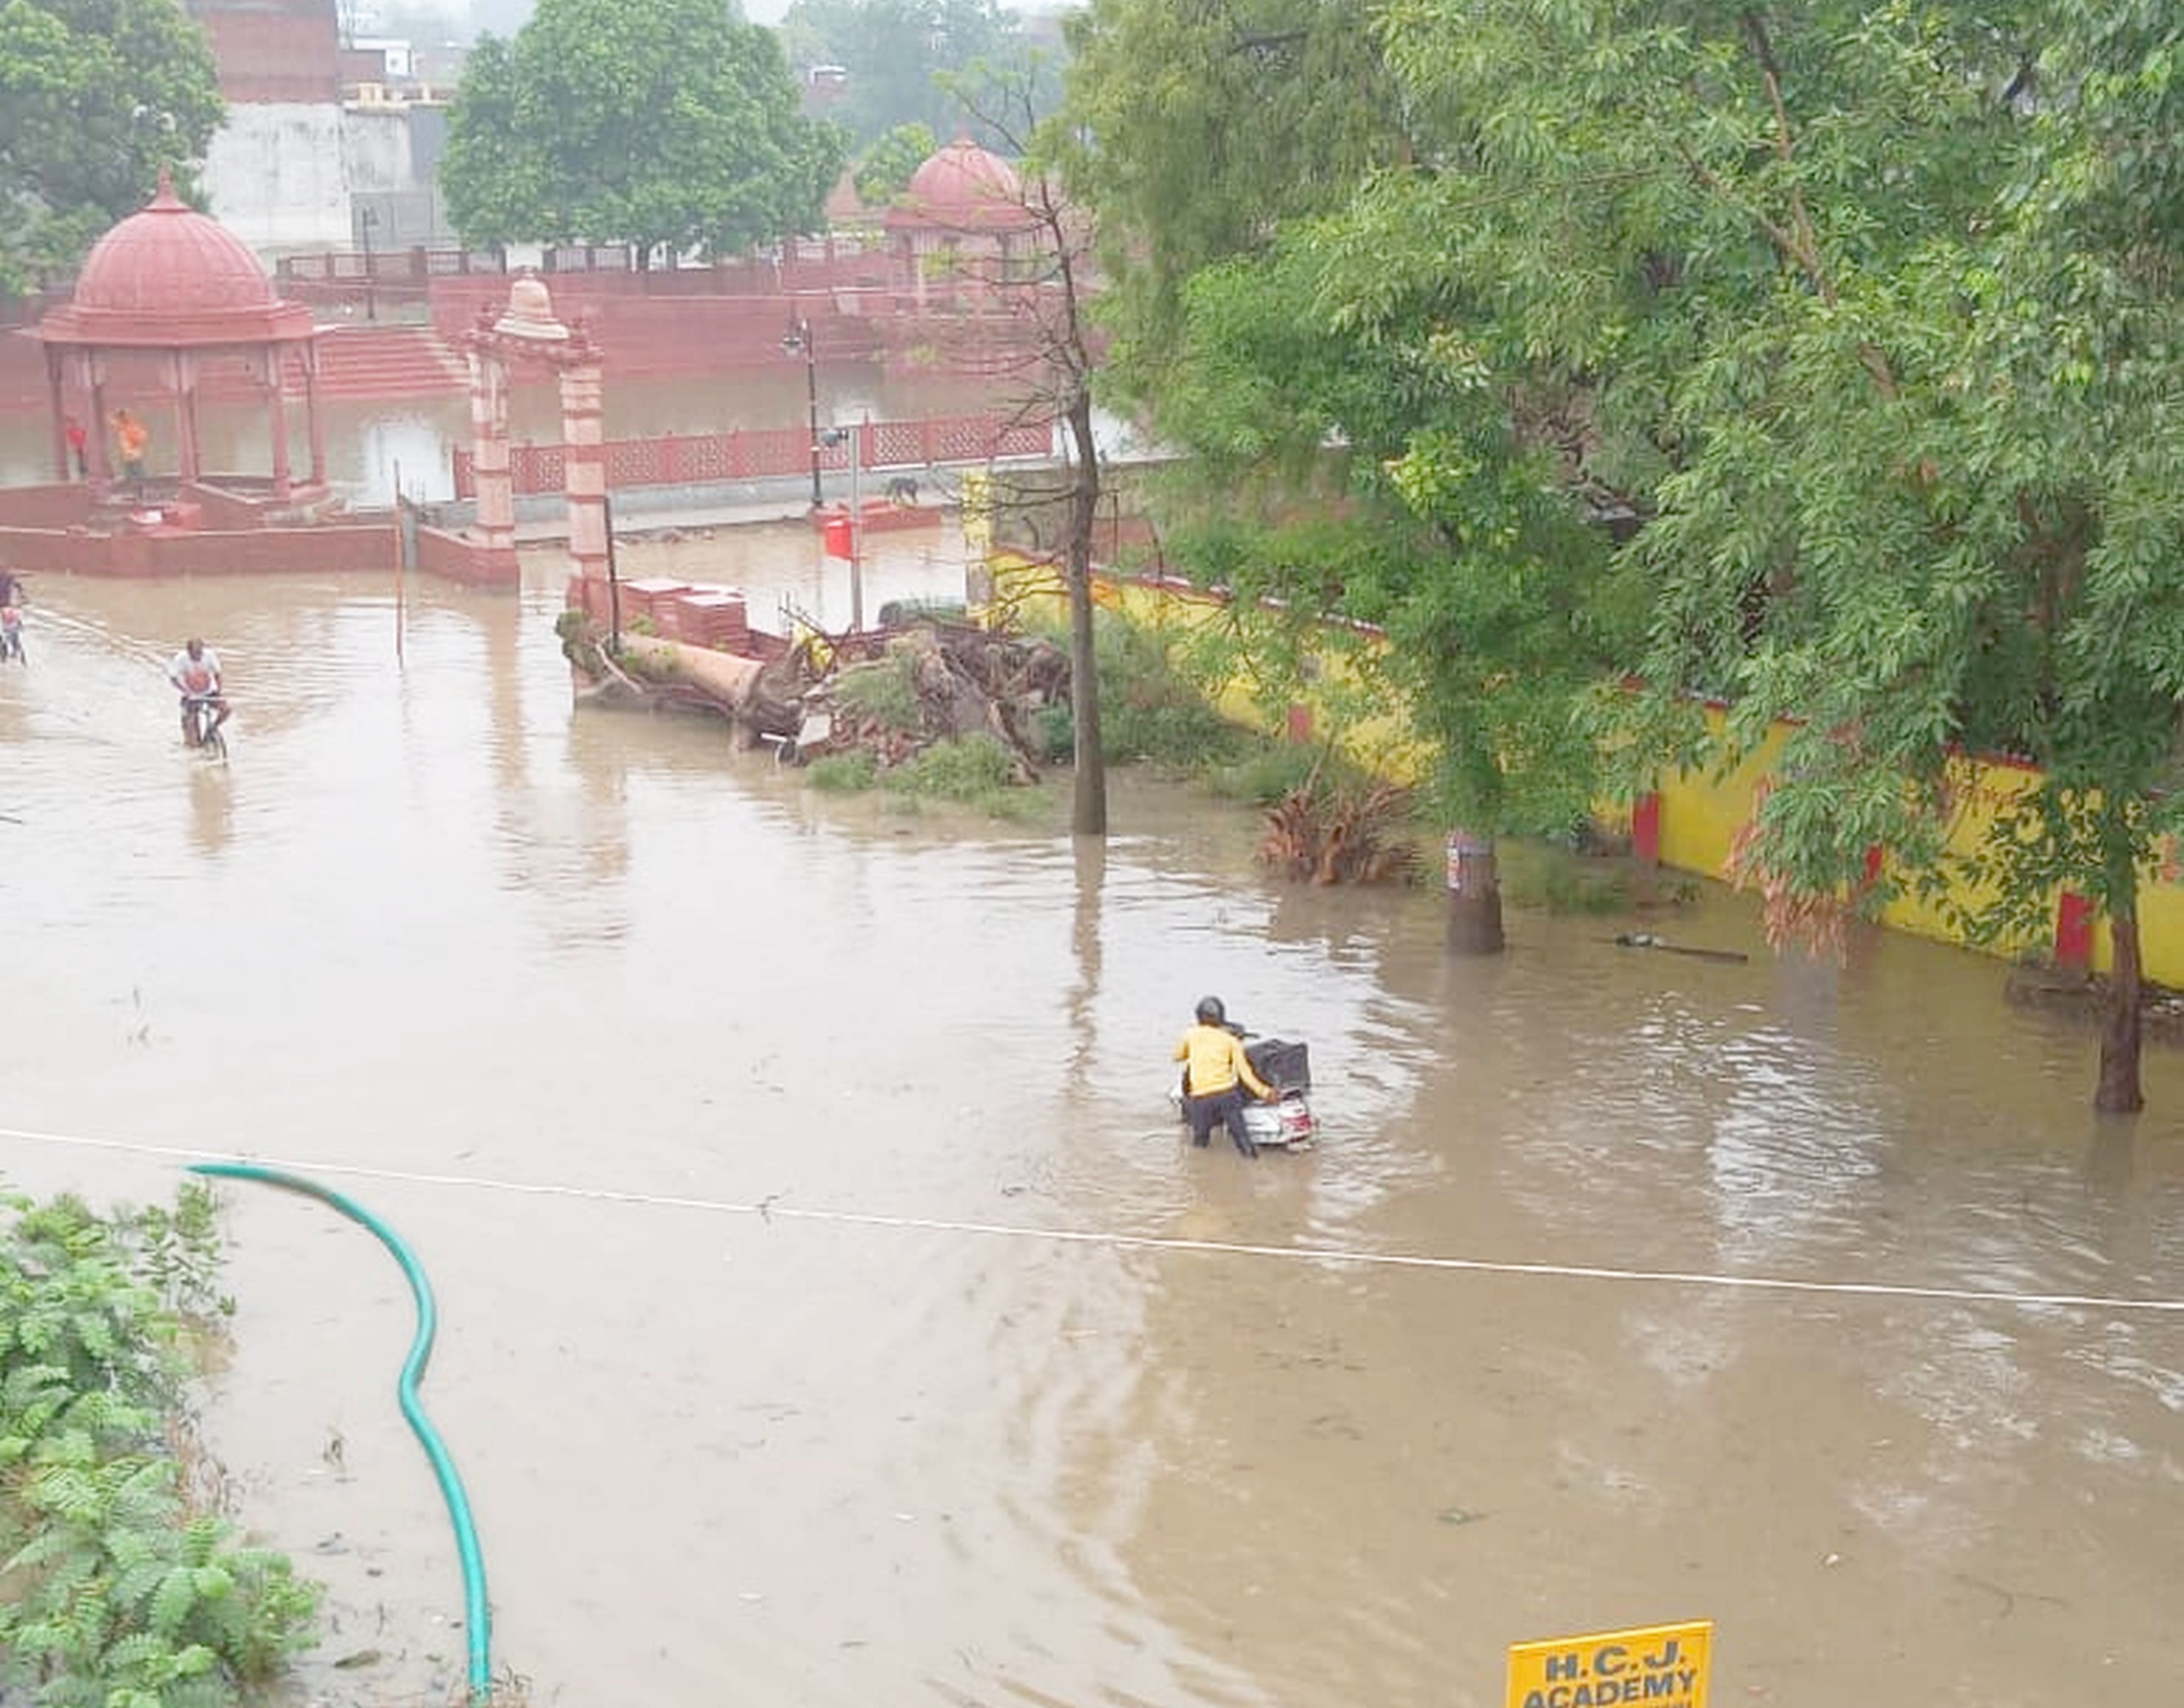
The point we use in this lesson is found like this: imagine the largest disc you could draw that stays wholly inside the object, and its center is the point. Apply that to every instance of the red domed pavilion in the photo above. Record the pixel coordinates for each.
(959, 224)
(171, 281)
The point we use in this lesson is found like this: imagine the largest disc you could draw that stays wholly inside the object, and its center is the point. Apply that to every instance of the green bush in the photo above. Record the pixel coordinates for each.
(885, 689)
(1534, 875)
(122, 1594)
(1265, 775)
(844, 773)
(1149, 709)
(1054, 728)
(976, 772)
(964, 770)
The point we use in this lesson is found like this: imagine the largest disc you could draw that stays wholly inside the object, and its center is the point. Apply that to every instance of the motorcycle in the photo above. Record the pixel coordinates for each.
(1287, 1124)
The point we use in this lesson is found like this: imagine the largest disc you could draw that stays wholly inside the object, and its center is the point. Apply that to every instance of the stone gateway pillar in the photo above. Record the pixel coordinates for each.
(584, 460)
(526, 331)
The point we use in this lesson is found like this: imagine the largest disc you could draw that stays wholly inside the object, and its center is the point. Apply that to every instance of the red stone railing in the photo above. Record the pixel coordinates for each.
(702, 458)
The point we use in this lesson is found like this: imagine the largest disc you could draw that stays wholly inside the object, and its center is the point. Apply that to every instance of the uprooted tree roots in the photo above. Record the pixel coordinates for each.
(932, 685)
(1333, 833)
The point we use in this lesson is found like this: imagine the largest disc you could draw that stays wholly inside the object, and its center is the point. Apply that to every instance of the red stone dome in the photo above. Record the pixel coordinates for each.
(962, 187)
(172, 276)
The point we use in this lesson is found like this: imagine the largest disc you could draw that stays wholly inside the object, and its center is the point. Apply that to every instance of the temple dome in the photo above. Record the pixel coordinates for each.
(170, 277)
(962, 187)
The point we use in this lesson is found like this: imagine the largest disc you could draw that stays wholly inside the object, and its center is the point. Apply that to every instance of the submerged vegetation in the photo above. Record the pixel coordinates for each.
(125, 1585)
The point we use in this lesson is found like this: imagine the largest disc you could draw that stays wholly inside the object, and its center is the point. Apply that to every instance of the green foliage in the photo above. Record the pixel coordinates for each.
(899, 54)
(1206, 129)
(1533, 874)
(1858, 325)
(844, 773)
(974, 771)
(120, 1593)
(885, 170)
(649, 122)
(884, 689)
(95, 96)
(1150, 709)
(1264, 777)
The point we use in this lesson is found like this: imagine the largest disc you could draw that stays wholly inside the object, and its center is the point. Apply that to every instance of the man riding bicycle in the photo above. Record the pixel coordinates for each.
(195, 670)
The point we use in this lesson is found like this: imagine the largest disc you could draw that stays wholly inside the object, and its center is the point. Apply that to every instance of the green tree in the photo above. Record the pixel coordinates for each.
(898, 54)
(886, 169)
(671, 126)
(1873, 312)
(1210, 127)
(96, 96)
(1973, 533)
(1040, 271)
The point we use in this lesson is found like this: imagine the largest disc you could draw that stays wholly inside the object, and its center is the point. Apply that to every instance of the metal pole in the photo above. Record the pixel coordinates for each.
(401, 563)
(856, 531)
(614, 579)
(369, 219)
(811, 403)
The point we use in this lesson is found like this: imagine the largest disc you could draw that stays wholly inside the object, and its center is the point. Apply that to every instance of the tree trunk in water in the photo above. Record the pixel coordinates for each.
(1474, 895)
(1089, 810)
(2119, 1093)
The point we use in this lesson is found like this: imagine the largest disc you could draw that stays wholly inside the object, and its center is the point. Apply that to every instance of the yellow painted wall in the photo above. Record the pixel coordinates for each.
(1700, 813)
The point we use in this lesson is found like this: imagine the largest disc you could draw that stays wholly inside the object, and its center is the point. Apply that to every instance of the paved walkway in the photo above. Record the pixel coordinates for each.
(632, 524)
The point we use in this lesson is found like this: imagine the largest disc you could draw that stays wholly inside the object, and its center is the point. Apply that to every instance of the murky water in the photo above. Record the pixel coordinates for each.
(369, 443)
(560, 985)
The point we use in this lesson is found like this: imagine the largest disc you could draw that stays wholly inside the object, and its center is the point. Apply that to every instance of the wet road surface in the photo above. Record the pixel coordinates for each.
(572, 993)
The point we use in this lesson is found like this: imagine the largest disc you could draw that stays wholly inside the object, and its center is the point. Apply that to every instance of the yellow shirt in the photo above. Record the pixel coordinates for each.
(1217, 1061)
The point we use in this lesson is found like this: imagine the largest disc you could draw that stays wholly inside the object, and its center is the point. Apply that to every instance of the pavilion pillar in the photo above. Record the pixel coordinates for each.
(496, 493)
(58, 411)
(584, 457)
(187, 466)
(278, 415)
(102, 463)
(315, 421)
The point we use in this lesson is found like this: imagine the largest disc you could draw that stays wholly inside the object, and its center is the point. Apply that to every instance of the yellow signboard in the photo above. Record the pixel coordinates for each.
(1658, 1665)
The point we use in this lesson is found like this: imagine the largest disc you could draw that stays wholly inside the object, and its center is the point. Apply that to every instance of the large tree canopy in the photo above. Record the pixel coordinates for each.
(95, 96)
(1211, 126)
(899, 55)
(1860, 322)
(668, 123)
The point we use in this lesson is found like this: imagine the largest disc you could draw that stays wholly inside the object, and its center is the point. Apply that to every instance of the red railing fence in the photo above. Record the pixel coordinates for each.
(756, 454)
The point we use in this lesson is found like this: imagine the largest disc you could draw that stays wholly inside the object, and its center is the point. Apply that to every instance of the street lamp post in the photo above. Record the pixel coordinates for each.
(834, 436)
(799, 341)
(368, 217)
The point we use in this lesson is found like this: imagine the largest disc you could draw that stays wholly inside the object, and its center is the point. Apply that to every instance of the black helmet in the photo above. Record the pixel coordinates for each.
(1210, 1012)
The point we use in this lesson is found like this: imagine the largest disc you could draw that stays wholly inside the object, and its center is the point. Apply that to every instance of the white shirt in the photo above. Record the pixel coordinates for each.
(199, 675)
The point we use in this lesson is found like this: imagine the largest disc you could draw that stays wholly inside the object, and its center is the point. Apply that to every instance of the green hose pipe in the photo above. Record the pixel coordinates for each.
(477, 1618)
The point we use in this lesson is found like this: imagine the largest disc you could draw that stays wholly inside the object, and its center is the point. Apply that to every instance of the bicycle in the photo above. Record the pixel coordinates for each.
(11, 636)
(201, 730)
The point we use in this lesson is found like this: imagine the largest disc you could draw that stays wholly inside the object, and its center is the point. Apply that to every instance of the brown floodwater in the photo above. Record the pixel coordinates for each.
(1010, 1397)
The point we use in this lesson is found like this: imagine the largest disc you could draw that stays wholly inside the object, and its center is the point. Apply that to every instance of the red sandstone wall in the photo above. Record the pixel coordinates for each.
(301, 551)
(456, 558)
(45, 506)
(273, 50)
(642, 334)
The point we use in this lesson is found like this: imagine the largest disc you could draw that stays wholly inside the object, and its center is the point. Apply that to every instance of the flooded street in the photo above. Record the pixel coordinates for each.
(831, 1315)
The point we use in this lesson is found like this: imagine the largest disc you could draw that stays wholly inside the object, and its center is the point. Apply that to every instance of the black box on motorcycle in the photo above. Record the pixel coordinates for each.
(1285, 1066)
